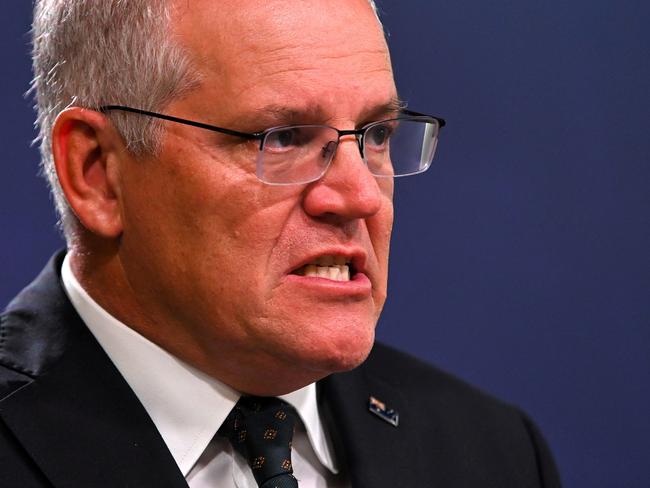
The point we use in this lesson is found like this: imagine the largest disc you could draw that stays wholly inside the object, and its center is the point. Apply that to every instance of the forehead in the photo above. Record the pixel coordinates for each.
(329, 53)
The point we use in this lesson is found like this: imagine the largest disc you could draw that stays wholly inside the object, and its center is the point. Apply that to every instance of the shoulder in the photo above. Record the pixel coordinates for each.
(416, 377)
(481, 429)
(428, 389)
(474, 438)
(32, 336)
(477, 426)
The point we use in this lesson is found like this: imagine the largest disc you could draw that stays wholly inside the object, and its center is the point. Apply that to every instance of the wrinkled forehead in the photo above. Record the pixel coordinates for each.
(313, 49)
(312, 22)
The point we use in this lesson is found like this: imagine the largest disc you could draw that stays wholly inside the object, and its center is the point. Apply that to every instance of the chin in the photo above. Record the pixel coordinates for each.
(314, 339)
(342, 350)
(348, 362)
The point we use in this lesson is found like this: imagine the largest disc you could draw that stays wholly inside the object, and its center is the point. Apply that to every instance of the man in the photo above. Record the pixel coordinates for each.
(224, 173)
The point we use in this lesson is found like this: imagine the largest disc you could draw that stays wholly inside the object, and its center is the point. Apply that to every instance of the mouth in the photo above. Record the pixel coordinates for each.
(334, 273)
(335, 268)
(329, 267)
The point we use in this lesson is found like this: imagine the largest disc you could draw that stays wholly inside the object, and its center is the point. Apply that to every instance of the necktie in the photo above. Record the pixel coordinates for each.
(261, 429)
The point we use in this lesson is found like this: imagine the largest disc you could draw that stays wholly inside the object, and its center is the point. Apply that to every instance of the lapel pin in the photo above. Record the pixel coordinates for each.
(380, 410)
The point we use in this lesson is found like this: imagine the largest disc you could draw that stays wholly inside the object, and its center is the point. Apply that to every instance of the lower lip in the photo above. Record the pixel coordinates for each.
(359, 286)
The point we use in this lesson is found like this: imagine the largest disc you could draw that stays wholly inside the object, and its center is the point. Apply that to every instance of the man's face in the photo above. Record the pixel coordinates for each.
(218, 257)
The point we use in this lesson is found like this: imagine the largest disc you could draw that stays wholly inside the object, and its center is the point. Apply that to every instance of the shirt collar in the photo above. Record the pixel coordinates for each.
(186, 405)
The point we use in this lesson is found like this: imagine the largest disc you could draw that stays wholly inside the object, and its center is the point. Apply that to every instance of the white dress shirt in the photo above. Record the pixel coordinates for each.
(188, 406)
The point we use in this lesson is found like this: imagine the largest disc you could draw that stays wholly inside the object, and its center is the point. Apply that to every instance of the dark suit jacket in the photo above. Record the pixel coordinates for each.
(69, 419)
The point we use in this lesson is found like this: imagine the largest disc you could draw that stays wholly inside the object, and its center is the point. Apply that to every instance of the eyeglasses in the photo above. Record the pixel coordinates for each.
(299, 154)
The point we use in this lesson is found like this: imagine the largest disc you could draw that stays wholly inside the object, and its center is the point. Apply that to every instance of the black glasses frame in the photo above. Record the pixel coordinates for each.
(358, 133)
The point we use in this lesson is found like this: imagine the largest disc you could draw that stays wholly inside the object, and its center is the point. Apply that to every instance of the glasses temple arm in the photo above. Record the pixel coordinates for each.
(170, 118)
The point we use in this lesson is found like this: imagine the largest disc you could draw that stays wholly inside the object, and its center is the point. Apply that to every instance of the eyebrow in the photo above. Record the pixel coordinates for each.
(274, 114)
(282, 114)
(392, 107)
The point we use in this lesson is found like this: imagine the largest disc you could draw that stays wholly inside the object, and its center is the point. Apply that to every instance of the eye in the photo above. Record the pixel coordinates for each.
(284, 139)
(378, 135)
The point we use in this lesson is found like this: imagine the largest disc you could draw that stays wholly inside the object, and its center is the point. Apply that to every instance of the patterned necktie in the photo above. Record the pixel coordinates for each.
(261, 429)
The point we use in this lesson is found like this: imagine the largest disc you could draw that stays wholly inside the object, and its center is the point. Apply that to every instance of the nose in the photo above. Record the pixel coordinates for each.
(348, 190)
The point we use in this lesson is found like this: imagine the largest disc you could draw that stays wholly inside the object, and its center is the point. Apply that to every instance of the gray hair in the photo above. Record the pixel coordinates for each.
(93, 53)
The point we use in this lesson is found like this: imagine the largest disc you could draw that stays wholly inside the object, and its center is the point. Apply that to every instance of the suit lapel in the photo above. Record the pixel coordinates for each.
(375, 453)
(73, 407)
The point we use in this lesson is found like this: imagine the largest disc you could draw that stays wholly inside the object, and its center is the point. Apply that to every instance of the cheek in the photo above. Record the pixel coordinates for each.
(228, 229)
(195, 213)
(379, 229)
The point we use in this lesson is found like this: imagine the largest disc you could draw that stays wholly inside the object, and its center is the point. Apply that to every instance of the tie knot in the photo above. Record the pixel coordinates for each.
(261, 430)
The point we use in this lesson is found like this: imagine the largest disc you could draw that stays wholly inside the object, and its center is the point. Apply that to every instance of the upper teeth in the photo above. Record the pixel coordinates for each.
(329, 267)
(329, 261)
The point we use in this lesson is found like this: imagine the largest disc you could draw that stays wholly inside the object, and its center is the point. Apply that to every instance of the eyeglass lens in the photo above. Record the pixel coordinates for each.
(301, 154)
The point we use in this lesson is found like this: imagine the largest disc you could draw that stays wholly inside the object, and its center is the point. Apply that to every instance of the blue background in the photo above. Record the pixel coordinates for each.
(521, 260)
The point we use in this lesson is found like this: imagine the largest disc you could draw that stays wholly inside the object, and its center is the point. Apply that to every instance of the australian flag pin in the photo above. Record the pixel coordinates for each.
(380, 410)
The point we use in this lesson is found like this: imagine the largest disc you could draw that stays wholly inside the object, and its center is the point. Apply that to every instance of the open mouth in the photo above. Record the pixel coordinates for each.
(335, 268)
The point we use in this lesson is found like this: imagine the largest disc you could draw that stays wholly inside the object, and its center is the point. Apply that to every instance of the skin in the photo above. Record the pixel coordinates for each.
(190, 249)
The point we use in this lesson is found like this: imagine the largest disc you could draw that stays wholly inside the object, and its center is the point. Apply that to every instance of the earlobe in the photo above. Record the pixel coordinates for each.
(86, 155)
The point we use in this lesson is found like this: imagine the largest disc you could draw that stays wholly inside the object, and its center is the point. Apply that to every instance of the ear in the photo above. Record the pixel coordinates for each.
(87, 152)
